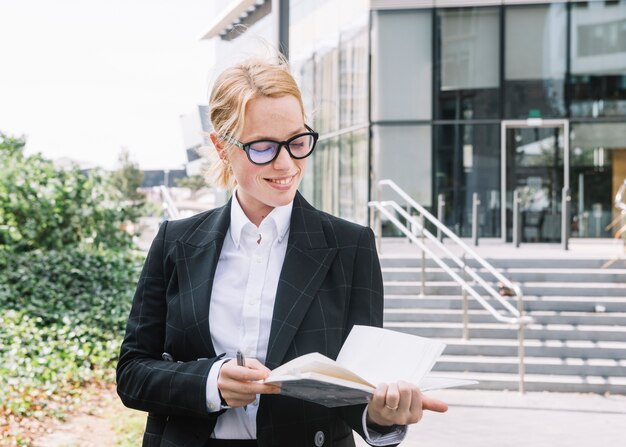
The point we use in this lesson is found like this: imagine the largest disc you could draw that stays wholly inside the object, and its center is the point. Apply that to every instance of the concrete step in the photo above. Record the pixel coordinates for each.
(529, 288)
(533, 365)
(531, 303)
(393, 260)
(543, 382)
(518, 275)
(582, 349)
(483, 316)
(504, 331)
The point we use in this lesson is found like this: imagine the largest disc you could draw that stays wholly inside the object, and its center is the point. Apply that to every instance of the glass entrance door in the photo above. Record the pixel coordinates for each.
(535, 164)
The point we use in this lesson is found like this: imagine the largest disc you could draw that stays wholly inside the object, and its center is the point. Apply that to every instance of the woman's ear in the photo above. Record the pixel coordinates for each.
(218, 145)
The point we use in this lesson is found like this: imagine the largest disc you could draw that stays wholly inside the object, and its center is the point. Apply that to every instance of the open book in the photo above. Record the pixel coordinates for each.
(368, 357)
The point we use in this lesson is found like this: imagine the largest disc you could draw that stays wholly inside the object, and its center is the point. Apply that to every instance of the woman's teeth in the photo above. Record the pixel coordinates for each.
(284, 181)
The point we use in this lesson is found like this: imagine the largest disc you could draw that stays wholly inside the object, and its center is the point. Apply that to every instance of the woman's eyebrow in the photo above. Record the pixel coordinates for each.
(302, 129)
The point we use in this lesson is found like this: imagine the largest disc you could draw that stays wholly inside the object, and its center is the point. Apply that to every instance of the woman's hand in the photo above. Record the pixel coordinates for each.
(237, 384)
(400, 403)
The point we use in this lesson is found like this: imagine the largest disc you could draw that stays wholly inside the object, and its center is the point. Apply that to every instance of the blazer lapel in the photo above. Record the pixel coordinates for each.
(197, 256)
(306, 264)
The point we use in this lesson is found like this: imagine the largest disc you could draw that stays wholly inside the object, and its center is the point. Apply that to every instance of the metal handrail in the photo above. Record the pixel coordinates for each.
(449, 233)
(168, 203)
(471, 272)
(380, 206)
(517, 315)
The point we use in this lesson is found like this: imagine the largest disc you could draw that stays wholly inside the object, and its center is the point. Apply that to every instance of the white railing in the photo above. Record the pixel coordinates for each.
(168, 203)
(509, 314)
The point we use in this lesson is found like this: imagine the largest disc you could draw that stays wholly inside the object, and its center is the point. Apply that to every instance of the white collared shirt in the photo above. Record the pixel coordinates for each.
(242, 302)
(242, 305)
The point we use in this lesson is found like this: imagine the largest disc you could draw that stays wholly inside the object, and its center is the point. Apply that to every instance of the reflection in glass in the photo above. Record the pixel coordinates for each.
(335, 88)
(598, 169)
(326, 176)
(535, 61)
(353, 78)
(353, 178)
(467, 160)
(598, 59)
(469, 63)
(403, 154)
(402, 65)
(327, 91)
(534, 166)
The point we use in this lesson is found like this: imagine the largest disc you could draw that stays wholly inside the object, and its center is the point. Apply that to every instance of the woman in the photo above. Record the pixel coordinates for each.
(266, 274)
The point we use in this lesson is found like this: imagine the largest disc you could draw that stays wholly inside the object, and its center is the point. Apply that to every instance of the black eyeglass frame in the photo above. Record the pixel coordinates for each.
(246, 146)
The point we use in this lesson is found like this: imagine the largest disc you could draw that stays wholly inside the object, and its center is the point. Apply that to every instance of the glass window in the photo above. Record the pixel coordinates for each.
(534, 167)
(403, 154)
(326, 102)
(535, 61)
(402, 65)
(467, 160)
(468, 69)
(353, 78)
(325, 184)
(353, 176)
(598, 59)
(598, 169)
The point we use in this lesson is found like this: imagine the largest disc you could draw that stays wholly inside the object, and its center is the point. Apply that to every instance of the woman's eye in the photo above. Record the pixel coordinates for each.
(262, 147)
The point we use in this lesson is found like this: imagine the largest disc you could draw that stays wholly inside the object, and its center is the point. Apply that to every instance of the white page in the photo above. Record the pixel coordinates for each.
(315, 363)
(430, 383)
(382, 355)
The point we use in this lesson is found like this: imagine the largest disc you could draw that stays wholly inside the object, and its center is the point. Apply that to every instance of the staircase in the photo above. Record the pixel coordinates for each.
(577, 298)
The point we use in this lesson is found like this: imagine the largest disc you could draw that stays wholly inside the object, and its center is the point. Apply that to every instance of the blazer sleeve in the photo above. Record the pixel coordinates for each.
(365, 307)
(144, 380)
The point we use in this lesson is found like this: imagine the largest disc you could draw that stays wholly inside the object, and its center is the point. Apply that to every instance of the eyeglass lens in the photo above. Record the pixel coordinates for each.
(264, 151)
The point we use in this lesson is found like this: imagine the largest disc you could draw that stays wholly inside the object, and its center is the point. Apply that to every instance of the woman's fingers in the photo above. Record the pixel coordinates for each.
(239, 385)
(400, 403)
(434, 405)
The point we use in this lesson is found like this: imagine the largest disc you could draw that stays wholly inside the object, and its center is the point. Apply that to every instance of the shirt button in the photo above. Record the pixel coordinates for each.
(252, 302)
(319, 439)
(259, 259)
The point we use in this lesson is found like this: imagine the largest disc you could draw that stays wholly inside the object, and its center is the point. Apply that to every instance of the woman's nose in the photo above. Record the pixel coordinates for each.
(284, 160)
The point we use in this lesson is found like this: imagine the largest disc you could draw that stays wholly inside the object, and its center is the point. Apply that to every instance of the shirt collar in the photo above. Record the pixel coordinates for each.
(279, 216)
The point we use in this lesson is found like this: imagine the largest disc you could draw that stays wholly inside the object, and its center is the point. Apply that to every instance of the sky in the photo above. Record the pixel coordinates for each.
(85, 78)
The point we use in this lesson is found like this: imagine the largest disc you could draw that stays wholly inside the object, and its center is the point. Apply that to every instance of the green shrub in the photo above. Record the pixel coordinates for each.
(67, 272)
(63, 319)
(75, 285)
(45, 207)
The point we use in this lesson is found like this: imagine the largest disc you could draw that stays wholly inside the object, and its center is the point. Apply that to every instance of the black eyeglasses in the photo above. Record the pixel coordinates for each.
(262, 152)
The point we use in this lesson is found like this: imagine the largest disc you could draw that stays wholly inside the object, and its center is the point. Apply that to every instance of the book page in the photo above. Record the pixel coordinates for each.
(382, 355)
(431, 383)
(315, 363)
(321, 389)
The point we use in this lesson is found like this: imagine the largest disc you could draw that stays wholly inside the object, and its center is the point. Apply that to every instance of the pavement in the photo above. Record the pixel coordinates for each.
(607, 249)
(479, 418)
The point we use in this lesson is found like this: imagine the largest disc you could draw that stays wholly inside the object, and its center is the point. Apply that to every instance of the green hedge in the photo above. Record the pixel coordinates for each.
(63, 317)
(46, 207)
(67, 273)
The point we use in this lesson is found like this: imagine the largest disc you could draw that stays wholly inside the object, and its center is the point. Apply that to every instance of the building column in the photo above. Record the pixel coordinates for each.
(280, 10)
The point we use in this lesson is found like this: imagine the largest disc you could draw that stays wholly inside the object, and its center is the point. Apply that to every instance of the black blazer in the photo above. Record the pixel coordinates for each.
(330, 280)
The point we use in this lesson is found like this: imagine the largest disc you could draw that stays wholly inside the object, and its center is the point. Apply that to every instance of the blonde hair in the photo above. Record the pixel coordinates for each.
(232, 91)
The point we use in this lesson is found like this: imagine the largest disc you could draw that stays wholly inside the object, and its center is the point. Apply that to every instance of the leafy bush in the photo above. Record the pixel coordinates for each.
(45, 207)
(64, 315)
(67, 272)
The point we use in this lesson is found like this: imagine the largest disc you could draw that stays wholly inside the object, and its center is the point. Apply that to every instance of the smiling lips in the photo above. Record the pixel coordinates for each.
(281, 181)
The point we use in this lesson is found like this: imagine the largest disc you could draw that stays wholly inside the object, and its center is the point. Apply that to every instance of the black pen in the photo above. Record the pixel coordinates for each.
(241, 361)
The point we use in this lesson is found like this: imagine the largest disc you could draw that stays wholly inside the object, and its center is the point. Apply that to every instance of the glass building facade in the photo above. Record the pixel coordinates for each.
(445, 99)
